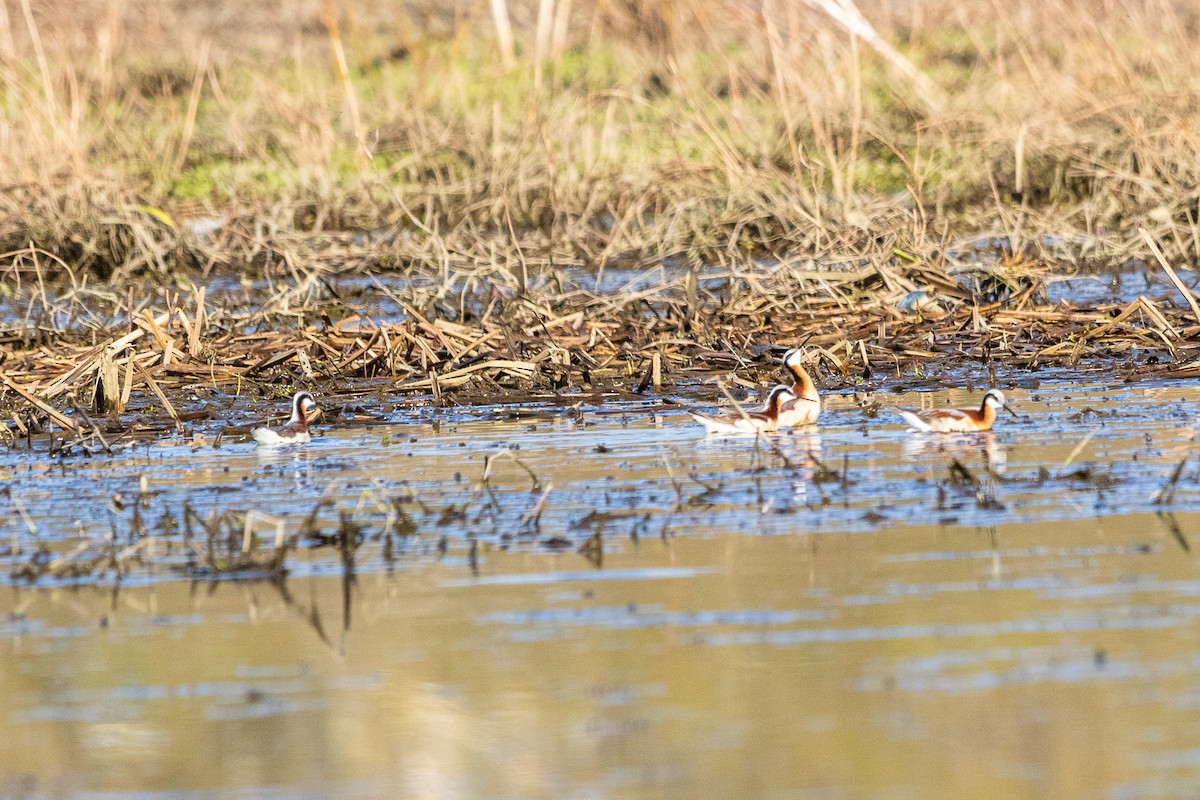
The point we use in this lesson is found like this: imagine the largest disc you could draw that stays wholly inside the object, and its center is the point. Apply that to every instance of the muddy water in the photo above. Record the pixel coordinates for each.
(834, 616)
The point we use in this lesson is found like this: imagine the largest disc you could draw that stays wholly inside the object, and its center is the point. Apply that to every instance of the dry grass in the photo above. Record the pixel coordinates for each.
(709, 132)
(783, 175)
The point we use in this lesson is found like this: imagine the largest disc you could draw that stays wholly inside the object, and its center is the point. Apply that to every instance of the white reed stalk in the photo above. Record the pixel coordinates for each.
(508, 51)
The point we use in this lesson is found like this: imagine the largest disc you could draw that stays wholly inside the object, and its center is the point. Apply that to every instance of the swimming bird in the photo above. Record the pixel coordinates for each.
(763, 420)
(806, 406)
(296, 429)
(959, 420)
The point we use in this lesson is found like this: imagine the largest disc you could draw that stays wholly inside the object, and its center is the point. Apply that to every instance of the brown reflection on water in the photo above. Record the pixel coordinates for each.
(1015, 661)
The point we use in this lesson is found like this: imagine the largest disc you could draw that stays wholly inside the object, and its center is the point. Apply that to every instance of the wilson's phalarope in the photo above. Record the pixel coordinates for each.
(296, 429)
(959, 420)
(805, 407)
(763, 420)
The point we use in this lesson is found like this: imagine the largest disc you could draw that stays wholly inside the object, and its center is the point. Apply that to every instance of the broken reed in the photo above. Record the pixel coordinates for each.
(863, 323)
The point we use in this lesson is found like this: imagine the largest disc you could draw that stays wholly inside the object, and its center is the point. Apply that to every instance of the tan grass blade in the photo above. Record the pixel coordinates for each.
(162, 398)
(1183, 290)
(330, 20)
(197, 327)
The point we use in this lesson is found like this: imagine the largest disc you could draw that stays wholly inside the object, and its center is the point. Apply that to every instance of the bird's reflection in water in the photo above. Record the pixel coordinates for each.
(298, 457)
(965, 447)
(803, 449)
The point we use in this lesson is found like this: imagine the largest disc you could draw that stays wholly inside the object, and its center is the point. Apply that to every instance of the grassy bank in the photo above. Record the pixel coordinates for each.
(714, 132)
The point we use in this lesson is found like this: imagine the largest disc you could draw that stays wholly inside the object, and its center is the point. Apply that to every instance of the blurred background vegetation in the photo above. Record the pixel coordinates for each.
(585, 132)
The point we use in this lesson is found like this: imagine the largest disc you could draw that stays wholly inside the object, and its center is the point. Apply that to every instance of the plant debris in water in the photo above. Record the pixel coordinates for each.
(601, 211)
(82, 377)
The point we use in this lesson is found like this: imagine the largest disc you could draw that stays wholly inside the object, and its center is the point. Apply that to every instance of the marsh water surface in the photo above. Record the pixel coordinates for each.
(625, 608)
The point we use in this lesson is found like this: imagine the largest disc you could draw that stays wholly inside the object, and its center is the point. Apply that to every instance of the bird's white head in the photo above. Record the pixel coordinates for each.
(303, 405)
(778, 396)
(994, 399)
(793, 357)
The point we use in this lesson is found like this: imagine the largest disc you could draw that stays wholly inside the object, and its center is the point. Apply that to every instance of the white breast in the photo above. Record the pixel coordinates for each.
(270, 438)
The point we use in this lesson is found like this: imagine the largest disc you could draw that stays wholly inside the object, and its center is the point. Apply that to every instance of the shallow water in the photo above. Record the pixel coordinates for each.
(829, 617)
